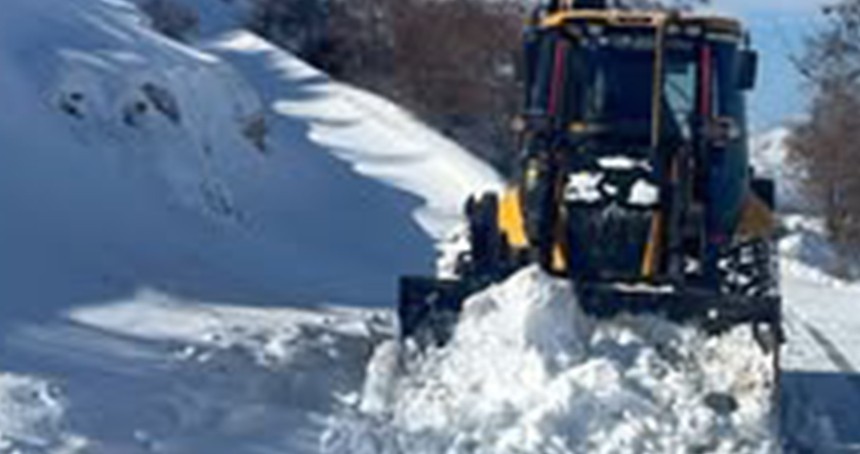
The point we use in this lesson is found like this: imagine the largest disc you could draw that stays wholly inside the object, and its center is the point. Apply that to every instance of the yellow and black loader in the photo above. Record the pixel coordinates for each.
(635, 179)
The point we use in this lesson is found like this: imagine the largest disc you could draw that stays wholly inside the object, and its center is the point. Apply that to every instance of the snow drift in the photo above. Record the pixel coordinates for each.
(528, 372)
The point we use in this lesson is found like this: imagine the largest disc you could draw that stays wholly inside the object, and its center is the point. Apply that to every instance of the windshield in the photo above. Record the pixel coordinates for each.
(609, 81)
(610, 86)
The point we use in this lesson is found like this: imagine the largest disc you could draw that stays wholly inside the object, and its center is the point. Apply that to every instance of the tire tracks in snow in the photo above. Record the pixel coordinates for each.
(830, 349)
(821, 420)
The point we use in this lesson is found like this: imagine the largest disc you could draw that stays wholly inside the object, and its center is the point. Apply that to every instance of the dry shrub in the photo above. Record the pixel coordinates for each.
(827, 143)
(296, 25)
(171, 18)
(452, 62)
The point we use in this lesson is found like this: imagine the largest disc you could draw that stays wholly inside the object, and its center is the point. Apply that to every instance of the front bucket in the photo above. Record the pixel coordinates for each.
(429, 308)
(712, 312)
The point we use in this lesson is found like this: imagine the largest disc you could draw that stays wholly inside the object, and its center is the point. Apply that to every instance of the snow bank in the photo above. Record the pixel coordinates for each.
(32, 418)
(527, 372)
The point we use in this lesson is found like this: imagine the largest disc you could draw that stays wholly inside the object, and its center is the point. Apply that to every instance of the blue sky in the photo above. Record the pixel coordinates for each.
(778, 29)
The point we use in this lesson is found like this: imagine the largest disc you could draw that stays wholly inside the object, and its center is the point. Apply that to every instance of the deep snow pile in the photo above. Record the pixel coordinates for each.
(32, 418)
(527, 372)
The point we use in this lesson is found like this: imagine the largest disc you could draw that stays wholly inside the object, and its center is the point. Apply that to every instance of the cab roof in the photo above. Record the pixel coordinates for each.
(640, 19)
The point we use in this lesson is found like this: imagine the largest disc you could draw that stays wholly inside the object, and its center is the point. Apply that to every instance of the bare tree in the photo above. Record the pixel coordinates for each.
(827, 144)
(455, 63)
(296, 25)
(451, 62)
(170, 17)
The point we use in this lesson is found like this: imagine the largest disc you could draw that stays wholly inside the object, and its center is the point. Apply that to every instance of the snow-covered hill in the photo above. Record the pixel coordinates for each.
(132, 162)
(140, 178)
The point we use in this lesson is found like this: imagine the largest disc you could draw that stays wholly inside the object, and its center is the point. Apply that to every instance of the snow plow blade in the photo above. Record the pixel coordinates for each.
(429, 308)
(712, 312)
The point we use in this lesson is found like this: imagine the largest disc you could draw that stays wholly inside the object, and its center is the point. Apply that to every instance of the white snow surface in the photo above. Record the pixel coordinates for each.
(528, 372)
(231, 171)
(622, 162)
(643, 193)
(32, 415)
(583, 187)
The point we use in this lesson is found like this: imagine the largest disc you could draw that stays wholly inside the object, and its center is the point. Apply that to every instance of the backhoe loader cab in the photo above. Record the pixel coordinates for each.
(636, 77)
(635, 180)
(660, 92)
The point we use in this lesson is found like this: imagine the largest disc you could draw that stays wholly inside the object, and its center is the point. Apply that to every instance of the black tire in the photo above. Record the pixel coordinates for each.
(750, 269)
(489, 254)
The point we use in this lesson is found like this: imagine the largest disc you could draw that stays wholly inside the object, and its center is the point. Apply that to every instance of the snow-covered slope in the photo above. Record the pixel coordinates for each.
(140, 178)
(131, 162)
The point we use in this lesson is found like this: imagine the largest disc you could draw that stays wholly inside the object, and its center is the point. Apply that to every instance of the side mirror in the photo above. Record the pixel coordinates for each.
(747, 69)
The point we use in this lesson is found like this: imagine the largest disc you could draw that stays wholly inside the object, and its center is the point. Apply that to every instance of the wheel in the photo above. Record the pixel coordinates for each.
(489, 254)
(750, 269)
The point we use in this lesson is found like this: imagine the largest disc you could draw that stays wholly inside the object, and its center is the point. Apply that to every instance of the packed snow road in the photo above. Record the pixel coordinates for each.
(820, 382)
(158, 375)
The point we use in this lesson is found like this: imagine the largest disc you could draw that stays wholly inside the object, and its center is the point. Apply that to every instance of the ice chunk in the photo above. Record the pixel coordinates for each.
(583, 187)
(644, 193)
(33, 415)
(622, 163)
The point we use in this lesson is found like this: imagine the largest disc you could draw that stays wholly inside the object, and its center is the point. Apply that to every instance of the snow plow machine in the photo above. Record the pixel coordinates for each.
(635, 180)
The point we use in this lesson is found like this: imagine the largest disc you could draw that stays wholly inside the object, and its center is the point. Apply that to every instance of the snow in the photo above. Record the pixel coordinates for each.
(380, 140)
(583, 187)
(136, 197)
(157, 198)
(644, 193)
(527, 371)
(32, 418)
(622, 163)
